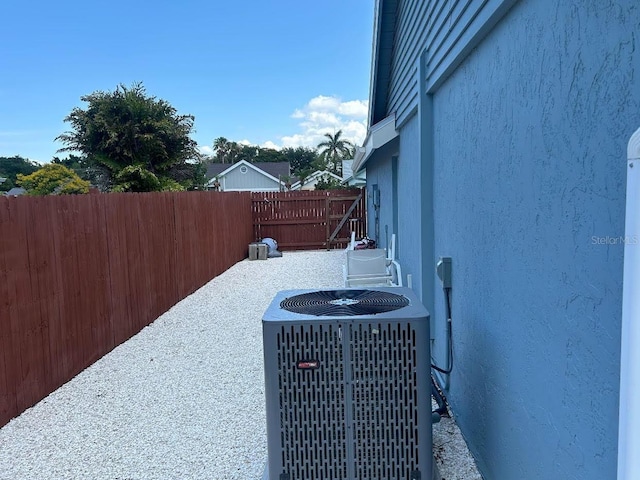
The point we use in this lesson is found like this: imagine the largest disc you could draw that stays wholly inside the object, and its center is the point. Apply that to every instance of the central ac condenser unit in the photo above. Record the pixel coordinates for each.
(347, 385)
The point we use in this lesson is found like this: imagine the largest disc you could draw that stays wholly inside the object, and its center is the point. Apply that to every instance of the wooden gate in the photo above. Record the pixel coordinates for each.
(309, 220)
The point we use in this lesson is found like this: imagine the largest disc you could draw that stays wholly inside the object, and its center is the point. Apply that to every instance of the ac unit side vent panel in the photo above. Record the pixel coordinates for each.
(383, 369)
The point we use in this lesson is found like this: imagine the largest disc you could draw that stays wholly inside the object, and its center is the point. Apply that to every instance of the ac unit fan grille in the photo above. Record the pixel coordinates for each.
(344, 303)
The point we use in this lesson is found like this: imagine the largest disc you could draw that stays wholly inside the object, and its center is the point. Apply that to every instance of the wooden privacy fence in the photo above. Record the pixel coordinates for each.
(308, 220)
(81, 274)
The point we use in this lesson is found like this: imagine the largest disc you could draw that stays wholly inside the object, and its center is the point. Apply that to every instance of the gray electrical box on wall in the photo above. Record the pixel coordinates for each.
(443, 269)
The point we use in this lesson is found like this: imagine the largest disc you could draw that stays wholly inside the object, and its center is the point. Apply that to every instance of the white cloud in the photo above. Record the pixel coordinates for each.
(270, 144)
(324, 103)
(205, 150)
(323, 115)
(354, 108)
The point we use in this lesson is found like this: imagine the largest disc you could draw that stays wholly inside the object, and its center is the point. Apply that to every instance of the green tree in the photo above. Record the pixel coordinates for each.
(136, 178)
(269, 155)
(53, 179)
(128, 128)
(301, 159)
(74, 162)
(190, 175)
(10, 167)
(97, 175)
(303, 175)
(225, 151)
(335, 149)
(328, 183)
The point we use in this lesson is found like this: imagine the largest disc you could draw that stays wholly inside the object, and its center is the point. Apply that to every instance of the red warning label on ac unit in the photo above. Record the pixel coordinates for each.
(308, 364)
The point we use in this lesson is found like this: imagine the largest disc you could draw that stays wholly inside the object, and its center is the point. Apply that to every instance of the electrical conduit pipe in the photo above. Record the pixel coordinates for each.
(629, 415)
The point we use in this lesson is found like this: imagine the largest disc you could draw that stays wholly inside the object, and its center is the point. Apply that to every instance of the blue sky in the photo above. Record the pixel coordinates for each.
(279, 72)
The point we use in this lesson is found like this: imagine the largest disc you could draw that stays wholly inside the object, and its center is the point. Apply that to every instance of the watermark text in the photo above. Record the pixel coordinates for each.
(619, 240)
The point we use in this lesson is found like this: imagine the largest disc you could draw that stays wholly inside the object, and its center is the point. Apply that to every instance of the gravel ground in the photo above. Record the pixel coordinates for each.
(450, 452)
(183, 399)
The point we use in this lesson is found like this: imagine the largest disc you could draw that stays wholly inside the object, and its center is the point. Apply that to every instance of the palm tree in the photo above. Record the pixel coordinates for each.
(333, 150)
(222, 147)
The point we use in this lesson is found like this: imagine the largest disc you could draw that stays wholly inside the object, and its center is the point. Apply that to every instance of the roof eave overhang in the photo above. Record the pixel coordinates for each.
(384, 26)
(378, 136)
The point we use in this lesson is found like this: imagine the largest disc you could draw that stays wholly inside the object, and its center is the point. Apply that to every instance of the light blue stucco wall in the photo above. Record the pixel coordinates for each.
(409, 207)
(379, 177)
(405, 199)
(531, 124)
(530, 137)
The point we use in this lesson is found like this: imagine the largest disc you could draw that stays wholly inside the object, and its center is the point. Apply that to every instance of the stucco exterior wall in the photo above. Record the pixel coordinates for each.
(379, 177)
(400, 209)
(530, 138)
(409, 208)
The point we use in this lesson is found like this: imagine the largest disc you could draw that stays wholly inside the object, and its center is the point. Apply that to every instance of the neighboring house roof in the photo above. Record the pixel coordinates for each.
(15, 191)
(313, 179)
(265, 176)
(275, 169)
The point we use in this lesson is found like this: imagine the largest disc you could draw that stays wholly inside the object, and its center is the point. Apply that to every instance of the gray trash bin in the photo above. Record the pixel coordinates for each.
(258, 251)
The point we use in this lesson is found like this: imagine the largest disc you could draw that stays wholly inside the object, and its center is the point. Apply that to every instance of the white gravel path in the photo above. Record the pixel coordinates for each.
(184, 398)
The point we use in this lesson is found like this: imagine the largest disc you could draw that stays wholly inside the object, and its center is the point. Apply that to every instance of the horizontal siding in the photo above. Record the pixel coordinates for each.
(252, 180)
(448, 30)
(403, 89)
(463, 27)
(382, 54)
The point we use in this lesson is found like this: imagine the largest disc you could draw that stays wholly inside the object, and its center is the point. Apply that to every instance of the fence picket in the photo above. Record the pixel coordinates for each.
(81, 274)
(304, 220)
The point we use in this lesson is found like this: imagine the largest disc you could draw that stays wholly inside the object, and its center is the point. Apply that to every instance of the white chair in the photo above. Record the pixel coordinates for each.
(372, 267)
(352, 243)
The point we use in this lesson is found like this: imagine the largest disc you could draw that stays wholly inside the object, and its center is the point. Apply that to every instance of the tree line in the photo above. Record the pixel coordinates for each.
(328, 155)
(129, 141)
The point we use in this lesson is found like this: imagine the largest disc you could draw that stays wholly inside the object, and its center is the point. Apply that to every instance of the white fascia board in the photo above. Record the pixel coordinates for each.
(357, 158)
(378, 136)
(322, 173)
(265, 189)
(253, 167)
(336, 177)
(314, 176)
(230, 169)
